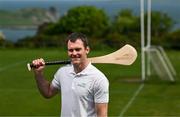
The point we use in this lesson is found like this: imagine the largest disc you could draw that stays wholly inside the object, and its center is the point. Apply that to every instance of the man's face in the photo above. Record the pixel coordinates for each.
(77, 52)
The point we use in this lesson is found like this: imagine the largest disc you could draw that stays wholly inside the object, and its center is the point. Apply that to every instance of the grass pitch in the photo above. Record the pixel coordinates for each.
(19, 95)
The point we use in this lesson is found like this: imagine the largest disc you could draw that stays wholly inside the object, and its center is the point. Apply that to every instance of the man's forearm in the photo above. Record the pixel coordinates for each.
(43, 85)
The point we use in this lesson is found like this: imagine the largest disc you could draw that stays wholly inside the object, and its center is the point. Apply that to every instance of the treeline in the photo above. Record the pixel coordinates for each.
(102, 31)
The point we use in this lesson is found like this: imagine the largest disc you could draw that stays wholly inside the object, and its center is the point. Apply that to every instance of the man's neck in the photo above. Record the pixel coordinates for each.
(81, 67)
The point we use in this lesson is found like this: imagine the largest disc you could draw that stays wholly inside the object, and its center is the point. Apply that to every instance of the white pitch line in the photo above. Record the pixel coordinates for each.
(131, 100)
(10, 66)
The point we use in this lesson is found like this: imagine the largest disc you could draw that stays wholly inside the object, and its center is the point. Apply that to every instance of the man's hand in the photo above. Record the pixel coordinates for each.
(39, 65)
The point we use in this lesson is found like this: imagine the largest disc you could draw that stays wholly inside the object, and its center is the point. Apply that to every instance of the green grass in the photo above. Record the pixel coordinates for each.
(19, 95)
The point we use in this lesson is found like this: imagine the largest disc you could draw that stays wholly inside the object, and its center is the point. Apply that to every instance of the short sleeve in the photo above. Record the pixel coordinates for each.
(101, 91)
(55, 82)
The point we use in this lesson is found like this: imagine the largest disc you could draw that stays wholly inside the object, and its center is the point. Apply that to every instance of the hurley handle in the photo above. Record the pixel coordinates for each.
(30, 65)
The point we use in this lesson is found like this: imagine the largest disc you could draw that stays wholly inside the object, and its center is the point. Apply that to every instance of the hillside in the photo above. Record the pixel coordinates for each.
(27, 17)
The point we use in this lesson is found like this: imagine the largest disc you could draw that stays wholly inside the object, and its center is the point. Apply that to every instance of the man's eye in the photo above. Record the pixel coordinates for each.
(70, 50)
(77, 49)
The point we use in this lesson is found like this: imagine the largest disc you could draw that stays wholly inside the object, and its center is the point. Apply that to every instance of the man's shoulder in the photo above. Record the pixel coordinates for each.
(64, 68)
(95, 71)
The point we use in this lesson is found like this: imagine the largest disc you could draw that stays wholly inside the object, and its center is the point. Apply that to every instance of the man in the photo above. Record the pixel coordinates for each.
(84, 89)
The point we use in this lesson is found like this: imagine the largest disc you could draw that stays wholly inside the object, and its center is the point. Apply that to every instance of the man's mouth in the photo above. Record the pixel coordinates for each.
(75, 59)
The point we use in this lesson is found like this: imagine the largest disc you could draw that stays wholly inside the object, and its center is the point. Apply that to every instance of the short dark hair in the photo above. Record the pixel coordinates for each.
(75, 36)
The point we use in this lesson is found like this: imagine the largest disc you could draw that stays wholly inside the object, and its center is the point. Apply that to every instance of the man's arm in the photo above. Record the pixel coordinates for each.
(101, 109)
(45, 88)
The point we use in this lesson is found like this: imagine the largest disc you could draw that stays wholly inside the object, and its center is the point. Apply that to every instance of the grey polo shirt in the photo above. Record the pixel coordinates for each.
(80, 92)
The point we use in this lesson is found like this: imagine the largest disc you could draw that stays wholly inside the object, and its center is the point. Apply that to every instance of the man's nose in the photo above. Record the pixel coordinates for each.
(74, 52)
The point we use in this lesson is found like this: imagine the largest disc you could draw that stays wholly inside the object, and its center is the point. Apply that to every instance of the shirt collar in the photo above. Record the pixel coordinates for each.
(83, 72)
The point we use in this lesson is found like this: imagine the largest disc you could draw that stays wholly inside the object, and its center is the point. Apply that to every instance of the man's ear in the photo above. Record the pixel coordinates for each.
(87, 50)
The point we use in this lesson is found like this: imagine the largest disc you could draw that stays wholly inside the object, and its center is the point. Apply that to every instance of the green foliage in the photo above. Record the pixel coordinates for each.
(161, 23)
(125, 22)
(42, 41)
(94, 25)
(125, 29)
(172, 40)
(115, 40)
(6, 44)
(85, 19)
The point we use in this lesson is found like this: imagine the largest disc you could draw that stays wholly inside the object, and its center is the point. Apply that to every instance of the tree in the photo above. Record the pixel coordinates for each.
(125, 22)
(161, 23)
(172, 39)
(85, 19)
(125, 28)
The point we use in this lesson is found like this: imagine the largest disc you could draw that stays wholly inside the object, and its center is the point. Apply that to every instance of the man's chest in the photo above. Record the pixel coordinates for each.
(82, 87)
